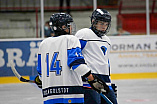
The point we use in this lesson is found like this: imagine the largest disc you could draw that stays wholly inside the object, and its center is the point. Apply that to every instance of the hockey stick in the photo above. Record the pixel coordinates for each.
(18, 75)
(105, 98)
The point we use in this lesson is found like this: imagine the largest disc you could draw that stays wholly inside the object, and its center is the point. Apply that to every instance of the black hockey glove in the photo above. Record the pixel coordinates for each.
(38, 81)
(99, 85)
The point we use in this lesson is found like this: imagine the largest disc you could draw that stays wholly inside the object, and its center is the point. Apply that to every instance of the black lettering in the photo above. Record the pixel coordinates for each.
(122, 47)
(130, 46)
(138, 47)
(147, 46)
(114, 47)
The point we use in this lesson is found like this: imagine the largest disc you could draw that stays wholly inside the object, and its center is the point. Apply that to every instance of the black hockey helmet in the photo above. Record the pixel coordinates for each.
(100, 15)
(57, 20)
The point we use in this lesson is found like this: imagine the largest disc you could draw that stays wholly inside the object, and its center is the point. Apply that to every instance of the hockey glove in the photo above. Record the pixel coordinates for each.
(99, 85)
(38, 81)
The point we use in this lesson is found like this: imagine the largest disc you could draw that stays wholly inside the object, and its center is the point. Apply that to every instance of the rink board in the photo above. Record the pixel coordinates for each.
(120, 76)
(132, 57)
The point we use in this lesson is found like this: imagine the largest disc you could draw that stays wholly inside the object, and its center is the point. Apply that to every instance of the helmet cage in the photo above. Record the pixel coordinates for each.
(99, 32)
(100, 15)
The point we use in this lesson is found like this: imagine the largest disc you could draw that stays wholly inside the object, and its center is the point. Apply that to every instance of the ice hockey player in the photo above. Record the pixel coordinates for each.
(61, 65)
(95, 46)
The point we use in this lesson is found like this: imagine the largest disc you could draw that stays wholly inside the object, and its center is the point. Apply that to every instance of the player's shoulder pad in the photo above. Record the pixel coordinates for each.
(73, 41)
(107, 39)
(43, 42)
(83, 33)
(71, 37)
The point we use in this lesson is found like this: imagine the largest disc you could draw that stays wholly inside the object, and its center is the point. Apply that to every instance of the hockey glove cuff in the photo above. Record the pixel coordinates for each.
(99, 85)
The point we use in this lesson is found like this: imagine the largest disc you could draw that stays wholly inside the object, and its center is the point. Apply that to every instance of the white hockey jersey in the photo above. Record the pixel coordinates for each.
(95, 51)
(61, 65)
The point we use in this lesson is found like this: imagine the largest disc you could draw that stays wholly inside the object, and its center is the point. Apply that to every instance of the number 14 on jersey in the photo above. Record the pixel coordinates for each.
(55, 65)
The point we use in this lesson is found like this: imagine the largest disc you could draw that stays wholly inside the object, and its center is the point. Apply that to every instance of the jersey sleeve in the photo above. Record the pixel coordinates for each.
(39, 60)
(80, 34)
(41, 47)
(75, 58)
(39, 64)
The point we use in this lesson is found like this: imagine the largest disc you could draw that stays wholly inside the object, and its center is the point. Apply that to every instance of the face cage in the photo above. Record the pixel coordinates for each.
(98, 32)
(73, 28)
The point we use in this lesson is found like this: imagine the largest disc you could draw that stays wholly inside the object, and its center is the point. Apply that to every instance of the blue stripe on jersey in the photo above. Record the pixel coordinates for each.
(64, 100)
(110, 87)
(47, 62)
(83, 44)
(39, 64)
(75, 57)
(109, 66)
(86, 85)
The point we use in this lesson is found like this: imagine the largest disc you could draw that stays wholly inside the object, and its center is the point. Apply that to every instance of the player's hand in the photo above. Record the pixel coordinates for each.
(99, 85)
(38, 81)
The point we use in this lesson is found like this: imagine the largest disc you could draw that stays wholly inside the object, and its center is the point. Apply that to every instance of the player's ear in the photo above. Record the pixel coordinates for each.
(64, 27)
(92, 20)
